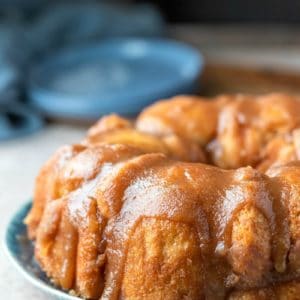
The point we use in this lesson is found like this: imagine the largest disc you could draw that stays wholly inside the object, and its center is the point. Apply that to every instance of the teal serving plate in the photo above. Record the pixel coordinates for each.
(20, 251)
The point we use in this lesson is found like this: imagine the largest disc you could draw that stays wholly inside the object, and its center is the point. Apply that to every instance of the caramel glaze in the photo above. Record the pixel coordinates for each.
(45, 185)
(234, 130)
(202, 197)
(88, 230)
(107, 216)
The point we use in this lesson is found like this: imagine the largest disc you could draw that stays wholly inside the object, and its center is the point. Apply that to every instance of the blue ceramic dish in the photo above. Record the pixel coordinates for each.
(20, 251)
(118, 75)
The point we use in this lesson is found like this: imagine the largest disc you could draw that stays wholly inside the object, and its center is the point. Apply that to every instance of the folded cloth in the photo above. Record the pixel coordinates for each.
(17, 120)
(11, 62)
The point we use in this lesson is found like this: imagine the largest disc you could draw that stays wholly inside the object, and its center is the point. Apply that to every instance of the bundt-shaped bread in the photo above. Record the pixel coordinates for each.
(130, 213)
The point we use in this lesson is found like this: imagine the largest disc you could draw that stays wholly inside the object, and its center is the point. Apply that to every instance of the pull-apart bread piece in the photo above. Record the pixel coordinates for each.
(132, 212)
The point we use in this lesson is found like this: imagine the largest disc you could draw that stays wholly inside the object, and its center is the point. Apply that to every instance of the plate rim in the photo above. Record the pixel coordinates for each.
(34, 281)
(38, 93)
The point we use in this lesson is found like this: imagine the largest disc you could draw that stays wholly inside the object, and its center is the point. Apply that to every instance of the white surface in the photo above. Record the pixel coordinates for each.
(20, 161)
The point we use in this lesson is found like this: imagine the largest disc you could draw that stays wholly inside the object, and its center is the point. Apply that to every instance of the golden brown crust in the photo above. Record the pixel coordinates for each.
(250, 251)
(169, 255)
(108, 123)
(234, 130)
(288, 178)
(114, 216)
(46, 185)
(285, 291)
(171, 145)
(184, 116)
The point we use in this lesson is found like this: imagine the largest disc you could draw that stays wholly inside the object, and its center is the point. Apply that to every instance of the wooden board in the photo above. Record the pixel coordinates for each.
(222, 78)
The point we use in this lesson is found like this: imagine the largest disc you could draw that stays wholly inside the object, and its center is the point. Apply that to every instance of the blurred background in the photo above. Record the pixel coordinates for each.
(77, 60)
(230, 11)
(63, 64)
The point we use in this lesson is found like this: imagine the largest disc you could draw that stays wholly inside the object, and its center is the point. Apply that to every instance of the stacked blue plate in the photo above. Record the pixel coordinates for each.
(116, 75)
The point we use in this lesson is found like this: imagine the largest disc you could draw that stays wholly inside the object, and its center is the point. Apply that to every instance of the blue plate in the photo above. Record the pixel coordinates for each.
(118, 75)
(20, 251)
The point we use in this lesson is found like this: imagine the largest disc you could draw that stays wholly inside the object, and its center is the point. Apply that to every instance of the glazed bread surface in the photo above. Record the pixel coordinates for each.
(135, 211)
